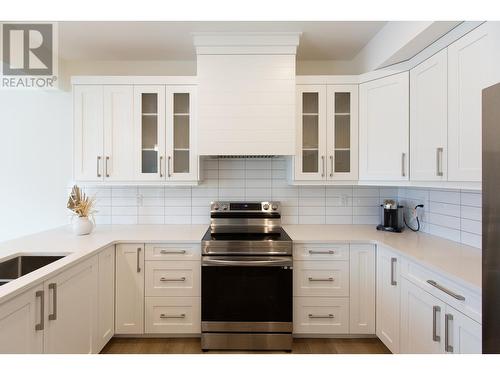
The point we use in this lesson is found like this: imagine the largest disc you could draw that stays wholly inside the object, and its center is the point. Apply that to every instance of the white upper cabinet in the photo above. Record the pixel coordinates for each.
(327, 133)
(310, 161)
(342, 132)
(149, 119)
(88, 132)
(119, 161)
(182, 161)
(429, 119)
(473, 64)
(384, 128)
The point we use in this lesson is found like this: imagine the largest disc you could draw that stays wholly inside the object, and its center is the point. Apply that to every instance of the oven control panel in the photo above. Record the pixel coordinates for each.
(229, 206)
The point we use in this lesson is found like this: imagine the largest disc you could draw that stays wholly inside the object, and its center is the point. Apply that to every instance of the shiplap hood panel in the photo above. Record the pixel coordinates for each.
(246, 91)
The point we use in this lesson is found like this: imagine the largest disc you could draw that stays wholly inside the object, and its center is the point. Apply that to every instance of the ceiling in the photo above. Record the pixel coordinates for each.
(327, 40)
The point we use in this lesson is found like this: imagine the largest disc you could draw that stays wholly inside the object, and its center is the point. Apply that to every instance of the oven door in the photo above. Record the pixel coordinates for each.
(250, 294)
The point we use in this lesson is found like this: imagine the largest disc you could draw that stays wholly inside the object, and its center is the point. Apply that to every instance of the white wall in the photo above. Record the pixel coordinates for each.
(35, 160)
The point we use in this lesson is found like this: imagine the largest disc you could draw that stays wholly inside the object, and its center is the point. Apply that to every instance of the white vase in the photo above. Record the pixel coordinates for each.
(82, 226)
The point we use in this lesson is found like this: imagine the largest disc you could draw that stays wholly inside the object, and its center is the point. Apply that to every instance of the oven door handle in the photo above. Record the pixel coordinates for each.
(238, 262)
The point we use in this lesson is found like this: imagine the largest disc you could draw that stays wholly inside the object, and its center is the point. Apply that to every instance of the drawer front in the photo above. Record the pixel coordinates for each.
(173, 315)
(321, 252)
(172, 278)
(321, 315)
(419, 275)
(321, 279)
(173, 251)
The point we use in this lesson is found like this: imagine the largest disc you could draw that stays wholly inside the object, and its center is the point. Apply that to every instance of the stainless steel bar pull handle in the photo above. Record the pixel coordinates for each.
(446, 290)
(393, 264)
(98, 166)
(139, 260)
(40, 326)
(323, 166)
(403, 167)
(168, 166)
(53, 287)
(179, 279)
(439, 161)
(106, 166)
(435, 311)
(323, 279)
(331, 165)
(172, 251)
(161, 168)
(329, 316)
(165, 316)
(321, 252)
(447, 347)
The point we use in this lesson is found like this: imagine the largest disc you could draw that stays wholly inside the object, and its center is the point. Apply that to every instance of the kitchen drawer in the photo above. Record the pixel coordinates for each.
(321, 278)
(173, 251)
(419, 275)
(320, 315)
(172, 278)
(173, 315)
(321, 252)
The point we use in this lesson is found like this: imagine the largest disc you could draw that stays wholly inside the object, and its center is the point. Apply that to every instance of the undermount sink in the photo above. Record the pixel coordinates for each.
(21, 265)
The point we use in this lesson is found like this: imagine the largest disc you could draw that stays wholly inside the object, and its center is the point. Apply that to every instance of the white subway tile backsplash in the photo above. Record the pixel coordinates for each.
(445, 196)
(452, 214)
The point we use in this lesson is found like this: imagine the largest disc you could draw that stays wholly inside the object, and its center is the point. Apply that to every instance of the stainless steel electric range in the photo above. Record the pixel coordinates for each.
(246, 297)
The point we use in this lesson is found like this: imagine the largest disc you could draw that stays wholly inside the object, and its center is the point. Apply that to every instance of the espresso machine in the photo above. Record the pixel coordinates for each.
(391, 217)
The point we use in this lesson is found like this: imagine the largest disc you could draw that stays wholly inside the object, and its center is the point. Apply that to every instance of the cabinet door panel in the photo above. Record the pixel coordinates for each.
(119, 135)
(469, 72)
(72, 310)
(342, 132)
(88, 115)
(362, 289)
(388, 298)
(422, 316)
(384, 128)
(310, 159)
(18, 320)
(176, 315)
(313, 315)
(106, 322)
(182, 162)
(464, 334)
(129, 313)
(149, 114)
(429, 119)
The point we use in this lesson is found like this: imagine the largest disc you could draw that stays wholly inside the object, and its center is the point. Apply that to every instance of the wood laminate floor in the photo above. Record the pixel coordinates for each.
(192, 346)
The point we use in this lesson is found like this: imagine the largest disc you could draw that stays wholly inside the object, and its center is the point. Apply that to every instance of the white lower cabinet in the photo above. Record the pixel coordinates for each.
(173, 278)
(106, 301)
(362, 289)
(388, 298)
(422, 315)
(129, 292)
(21, 323)
(72, 310)
(321, 278)
(313, 315)
(430, 326)
(177, 315)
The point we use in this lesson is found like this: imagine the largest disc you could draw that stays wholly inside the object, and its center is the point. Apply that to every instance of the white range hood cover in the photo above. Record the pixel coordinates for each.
(246, 90)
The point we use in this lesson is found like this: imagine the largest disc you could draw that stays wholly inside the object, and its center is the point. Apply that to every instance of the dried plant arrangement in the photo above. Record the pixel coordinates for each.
(80, 204)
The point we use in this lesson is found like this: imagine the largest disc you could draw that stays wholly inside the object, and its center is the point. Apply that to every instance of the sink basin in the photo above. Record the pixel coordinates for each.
(21, 265)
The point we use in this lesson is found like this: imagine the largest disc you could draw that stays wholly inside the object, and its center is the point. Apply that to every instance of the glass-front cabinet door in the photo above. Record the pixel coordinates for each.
(149, 112)
(181, 163)
(310, 161)
(342, 132)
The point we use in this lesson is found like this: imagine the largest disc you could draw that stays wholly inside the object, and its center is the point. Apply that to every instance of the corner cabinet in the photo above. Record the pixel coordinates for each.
(327, 134)
(384, 128)
(135, 133)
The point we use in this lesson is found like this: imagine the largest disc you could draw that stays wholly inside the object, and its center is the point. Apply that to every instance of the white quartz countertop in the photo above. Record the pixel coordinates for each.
(459, 262)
